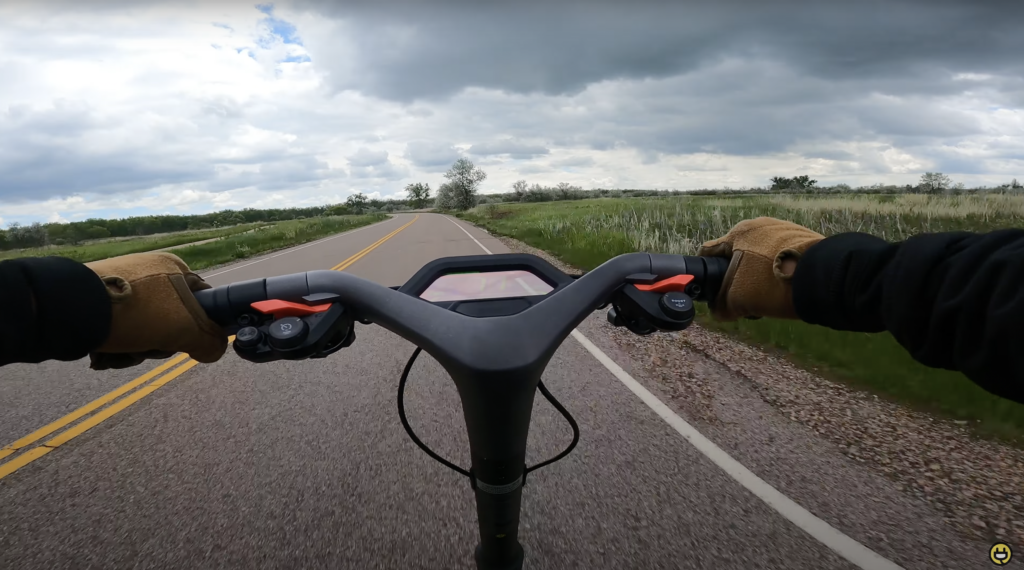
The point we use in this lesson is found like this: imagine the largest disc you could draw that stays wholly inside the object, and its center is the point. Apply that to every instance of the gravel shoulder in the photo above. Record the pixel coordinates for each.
(976, 486)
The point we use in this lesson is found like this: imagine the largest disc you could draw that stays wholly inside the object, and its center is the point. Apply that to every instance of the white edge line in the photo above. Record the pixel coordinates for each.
(853, 551)
(291, 249)
(470, 236)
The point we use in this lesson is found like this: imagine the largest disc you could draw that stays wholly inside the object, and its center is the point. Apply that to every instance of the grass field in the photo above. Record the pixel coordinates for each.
(587, 233)
(238, 242)
(114, 247)
(269, 238)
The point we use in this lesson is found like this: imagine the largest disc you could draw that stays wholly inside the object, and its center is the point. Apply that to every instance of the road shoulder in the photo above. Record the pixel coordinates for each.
(899, 470)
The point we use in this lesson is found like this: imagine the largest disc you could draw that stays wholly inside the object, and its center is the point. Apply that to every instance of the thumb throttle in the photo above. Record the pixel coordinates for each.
(314, 335)
(647, 308)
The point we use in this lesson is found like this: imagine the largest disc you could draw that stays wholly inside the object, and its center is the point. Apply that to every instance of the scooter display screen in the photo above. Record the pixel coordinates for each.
(488, 285)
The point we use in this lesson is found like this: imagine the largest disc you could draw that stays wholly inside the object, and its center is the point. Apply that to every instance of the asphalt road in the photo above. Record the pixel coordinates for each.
(306, 465)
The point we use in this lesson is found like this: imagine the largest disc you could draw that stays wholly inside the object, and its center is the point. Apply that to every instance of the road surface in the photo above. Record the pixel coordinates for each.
(306, 465)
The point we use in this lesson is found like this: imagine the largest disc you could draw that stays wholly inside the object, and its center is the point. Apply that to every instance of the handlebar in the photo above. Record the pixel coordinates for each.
(494, 349)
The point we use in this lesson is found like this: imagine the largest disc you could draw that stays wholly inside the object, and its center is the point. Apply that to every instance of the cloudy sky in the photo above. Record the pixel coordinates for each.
(114, 108)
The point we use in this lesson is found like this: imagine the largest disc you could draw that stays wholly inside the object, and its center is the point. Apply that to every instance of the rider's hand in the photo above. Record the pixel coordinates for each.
(763, 254)
(154, 312)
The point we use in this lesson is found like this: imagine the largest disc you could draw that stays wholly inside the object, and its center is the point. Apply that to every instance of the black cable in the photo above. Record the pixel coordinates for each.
(405, 421)
(565, 413)
(540, 385)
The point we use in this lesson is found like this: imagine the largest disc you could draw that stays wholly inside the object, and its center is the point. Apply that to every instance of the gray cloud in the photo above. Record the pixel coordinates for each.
(512, 148)
(374, 164)
(367, 157)
(71, 148)
(50, 152)
(430, 154)
(401, 52)
(573, 161)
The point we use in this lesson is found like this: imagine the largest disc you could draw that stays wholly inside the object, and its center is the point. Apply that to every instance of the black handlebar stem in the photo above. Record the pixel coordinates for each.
(495, 362)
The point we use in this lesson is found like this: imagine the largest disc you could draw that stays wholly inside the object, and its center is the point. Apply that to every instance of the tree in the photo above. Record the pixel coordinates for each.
(459, 193)
(1014, 185)
(356, 202)
(21, 236)
(567, 191)
(519, 190)
(935, 182)
(95, 232)
(445, 197)
(802, 182)
(419, 194)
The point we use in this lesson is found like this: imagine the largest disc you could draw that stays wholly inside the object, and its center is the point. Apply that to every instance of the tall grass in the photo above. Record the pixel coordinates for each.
(587, 233)
(680, 224)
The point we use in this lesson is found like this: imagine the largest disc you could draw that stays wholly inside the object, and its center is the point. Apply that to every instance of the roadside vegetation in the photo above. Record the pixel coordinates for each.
(236, 242)
(587, 233)
(270, 238)
(23, 239)
(102, 249)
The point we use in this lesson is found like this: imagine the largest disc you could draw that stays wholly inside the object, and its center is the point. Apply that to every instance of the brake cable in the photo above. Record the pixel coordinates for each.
(412, 435)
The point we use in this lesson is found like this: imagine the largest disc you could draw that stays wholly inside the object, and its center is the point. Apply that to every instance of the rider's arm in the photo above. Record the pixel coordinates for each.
(953, 300)
(52, 308)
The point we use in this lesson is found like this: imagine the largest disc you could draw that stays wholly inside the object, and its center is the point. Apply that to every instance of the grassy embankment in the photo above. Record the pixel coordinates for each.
(587, 233)
(269, 238)
(237, 242)
(91, 251)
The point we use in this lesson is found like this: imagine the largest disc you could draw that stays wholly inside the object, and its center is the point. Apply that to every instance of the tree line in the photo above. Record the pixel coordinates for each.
(18, 236)
(460, 191)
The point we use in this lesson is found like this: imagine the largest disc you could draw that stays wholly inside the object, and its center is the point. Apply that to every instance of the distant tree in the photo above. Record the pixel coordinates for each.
(935, 182)
(356, 203)
(566, 191)
(519, 191)
(21, 236)
(1014, 185)
(802, 182)
(95, 232)
(445, 197)
(537, 193)
(419, 194)
(459, 193)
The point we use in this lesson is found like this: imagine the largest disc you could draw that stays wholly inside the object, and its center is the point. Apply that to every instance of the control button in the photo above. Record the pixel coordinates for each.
(678, 306)
(248, 337)
(288, 333)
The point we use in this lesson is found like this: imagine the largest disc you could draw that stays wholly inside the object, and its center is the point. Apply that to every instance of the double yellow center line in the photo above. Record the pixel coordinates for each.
(344, 264)
(114, 402)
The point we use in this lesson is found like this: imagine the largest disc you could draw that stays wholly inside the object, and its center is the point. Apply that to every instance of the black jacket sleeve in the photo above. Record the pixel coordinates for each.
(953, 300)
(53, 309)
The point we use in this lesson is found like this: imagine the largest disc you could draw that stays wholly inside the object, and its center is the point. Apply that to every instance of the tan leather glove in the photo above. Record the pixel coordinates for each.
(154, 312)
(755, 285)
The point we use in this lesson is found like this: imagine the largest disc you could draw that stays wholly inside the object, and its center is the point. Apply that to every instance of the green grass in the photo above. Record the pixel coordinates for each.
(587, 233)
(102, 250)
(281, 235)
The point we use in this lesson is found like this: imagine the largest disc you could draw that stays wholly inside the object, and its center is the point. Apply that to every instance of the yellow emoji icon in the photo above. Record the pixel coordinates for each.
(1000, 553)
